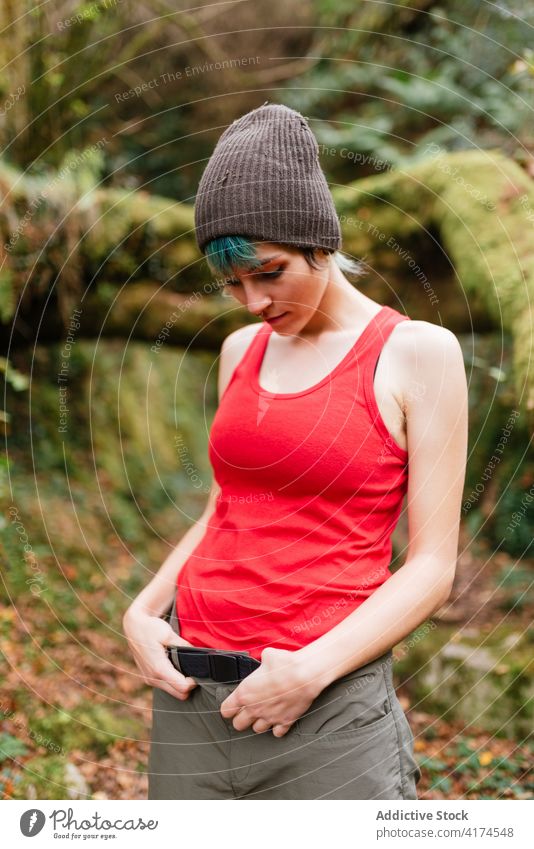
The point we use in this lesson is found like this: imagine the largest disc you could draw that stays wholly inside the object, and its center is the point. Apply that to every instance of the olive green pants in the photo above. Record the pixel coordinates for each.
(353, 742)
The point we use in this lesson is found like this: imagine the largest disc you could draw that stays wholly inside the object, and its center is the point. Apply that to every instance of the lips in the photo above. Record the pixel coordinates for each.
(276, 317)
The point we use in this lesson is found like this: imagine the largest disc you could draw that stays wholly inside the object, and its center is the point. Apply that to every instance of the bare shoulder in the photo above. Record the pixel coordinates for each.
(232, 351)
(427, 354)
(237, 342)
(413, 338)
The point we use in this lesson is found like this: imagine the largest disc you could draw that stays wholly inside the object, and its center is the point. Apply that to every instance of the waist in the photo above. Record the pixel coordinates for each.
(254, 622)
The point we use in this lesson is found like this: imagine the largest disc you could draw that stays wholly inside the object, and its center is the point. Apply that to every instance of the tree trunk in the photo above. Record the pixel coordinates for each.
(448, 240)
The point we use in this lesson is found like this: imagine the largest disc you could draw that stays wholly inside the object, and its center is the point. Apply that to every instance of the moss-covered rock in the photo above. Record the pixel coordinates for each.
(500, 468)
(103, 488)
(150, 312)
(479, 206)
(450, 236)
(484, 679)
(118, 412)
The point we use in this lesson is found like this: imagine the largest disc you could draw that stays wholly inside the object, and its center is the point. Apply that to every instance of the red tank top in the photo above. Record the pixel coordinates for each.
(312, 485)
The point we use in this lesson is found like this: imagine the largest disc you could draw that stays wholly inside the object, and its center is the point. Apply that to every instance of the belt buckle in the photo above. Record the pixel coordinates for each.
(223, 668)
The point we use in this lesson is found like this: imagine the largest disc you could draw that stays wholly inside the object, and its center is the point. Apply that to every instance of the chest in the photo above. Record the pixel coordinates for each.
(283, 373)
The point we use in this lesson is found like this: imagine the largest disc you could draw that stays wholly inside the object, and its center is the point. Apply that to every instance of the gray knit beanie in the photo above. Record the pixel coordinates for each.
(264, 181)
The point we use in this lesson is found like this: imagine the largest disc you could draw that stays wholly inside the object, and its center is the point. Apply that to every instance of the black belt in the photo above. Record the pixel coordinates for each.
(223, 666)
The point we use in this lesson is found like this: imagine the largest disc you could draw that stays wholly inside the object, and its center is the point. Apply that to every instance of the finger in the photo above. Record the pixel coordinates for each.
(243, 720)
(280, 730)
(230, 707)
(172, 691)
(178, 679)
(261, 725)
(189, 684)
(174, 681)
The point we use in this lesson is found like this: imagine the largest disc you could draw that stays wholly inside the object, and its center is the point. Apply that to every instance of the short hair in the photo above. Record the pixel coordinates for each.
(228, 253)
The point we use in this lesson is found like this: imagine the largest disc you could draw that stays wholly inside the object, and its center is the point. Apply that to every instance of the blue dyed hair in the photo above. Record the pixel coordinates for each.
(228, 253)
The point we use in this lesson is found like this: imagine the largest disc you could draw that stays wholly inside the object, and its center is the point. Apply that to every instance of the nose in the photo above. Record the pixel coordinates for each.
(258, 305)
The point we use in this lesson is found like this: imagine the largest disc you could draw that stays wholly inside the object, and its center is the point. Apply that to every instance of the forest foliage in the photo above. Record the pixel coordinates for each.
(109, 111)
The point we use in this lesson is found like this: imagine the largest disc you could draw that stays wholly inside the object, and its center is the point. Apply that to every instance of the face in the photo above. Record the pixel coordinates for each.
(285, 286)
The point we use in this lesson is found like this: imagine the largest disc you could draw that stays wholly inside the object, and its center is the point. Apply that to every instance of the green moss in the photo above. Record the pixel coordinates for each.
(43, 778)
(468, 210)
(477, 203)
(89, 726)
(497, 475)
(483, 680)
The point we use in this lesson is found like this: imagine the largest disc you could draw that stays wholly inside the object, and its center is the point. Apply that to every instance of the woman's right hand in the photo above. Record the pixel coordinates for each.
(148, 637)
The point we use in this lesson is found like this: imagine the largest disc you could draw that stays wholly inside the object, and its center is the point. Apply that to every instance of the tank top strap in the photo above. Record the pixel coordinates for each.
(249, 362)
(379, 332)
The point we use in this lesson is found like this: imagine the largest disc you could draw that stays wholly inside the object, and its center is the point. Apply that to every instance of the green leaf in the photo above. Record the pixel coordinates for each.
(11, 747)
(434, 764)
(442, 783)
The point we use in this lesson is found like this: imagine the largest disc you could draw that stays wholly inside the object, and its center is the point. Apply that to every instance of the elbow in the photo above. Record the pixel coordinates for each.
(434, 575)
(441, 602)
(444, 593)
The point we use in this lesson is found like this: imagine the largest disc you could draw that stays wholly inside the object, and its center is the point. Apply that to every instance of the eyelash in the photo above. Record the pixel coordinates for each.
(269, 275)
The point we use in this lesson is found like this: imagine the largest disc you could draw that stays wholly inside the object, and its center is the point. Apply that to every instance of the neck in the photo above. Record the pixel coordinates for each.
(342, 307)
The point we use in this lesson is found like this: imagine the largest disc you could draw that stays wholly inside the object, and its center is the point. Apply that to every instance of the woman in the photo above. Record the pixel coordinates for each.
(322, 404)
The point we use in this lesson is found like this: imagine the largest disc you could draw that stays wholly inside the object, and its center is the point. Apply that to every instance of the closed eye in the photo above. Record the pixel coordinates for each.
(269, 275)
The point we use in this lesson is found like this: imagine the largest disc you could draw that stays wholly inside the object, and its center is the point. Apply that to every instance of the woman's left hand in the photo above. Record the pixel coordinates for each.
(274, 696)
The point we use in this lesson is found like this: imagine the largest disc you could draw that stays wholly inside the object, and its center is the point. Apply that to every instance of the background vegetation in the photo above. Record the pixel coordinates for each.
(108, 113)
